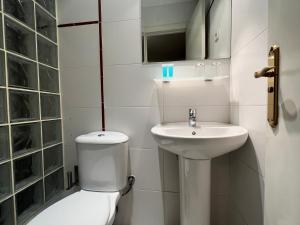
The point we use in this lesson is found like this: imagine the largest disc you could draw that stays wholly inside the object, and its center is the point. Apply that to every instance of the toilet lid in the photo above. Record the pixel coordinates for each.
(84, 207)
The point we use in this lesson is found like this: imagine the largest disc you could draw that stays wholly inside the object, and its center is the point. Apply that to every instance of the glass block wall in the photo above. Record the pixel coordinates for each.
(31, 152)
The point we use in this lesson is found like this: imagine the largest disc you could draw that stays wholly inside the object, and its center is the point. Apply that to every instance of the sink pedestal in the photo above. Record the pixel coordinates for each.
(196, 146)
(195, 185)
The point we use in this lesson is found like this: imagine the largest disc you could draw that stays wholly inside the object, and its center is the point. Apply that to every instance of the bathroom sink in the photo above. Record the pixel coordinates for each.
(205, 141)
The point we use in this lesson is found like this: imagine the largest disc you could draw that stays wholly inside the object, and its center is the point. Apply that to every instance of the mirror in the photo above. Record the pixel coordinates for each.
(177, 30)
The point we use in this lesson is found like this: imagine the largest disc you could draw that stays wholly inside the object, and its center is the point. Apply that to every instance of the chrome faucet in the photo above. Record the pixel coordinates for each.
(192, 118)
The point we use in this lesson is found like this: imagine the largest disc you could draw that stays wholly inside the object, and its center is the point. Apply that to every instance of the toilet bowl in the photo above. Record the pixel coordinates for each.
(102, 161)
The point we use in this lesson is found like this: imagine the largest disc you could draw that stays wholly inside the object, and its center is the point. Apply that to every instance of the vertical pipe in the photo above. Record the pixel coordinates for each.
(101, 65)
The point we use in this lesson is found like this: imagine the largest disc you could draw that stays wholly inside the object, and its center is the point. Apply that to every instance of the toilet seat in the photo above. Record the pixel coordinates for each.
(80, 208)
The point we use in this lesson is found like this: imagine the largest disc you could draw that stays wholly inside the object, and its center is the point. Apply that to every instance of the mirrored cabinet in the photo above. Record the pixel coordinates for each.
(31, 143)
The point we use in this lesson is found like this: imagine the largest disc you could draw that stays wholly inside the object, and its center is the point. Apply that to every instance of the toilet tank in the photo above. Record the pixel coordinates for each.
(102, 161)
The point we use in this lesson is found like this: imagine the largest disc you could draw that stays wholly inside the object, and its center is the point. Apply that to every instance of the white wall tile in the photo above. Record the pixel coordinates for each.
(246, 192)
(81, 86)
(220, 210)
(130, 85)
(235, 218)
(248, 98)
(136, 122)
(171, 172)
(79, 121)
(210, 68)
(79, 46)
(116, 10)
(254, 119)
(147, 167)
(77, 11)
(141, 207)
(234, 114)
(70, 157)
(223, 67)
(172, 208)
(204, 113)
(250, 18)
(220, 175)
(122, 42)
(251, 91)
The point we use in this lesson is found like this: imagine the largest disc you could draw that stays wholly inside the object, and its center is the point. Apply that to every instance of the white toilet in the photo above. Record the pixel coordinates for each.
(102, 160)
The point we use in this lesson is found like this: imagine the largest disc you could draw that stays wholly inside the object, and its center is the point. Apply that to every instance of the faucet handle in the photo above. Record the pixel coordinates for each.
(192, 112)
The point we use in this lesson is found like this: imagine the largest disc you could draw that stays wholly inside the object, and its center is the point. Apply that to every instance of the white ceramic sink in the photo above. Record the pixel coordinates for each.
(206, 141)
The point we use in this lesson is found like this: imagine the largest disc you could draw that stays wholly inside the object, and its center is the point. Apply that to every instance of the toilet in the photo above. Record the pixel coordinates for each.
(102, 161)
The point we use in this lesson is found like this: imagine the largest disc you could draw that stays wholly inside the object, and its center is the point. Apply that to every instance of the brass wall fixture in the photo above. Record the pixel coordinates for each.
(272, 73)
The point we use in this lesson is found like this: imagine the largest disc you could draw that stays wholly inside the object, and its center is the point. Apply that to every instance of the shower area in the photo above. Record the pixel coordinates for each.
(31, 146)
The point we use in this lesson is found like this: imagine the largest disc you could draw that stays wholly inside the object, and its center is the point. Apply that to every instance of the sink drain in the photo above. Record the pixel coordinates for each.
(194, 133)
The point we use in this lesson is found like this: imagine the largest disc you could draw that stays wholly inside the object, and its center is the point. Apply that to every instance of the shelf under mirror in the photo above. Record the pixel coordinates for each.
(46, 24)
(29, 201)
(27, 170)
(24, 106)
(2, 69)
(25, 138)
(53, 158)
(54, 184)
(19, 39)
(51, 132)
(7, 212)
(5, 181)
(47, 52)
(3, 106)
(50, 106)
(49, 80)
(21, 73)
(49, 5)
(21, 10)
(4, 143)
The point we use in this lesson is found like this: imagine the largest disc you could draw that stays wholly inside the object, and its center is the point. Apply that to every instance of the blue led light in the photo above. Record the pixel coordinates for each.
(171, 71)
(167, 71)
